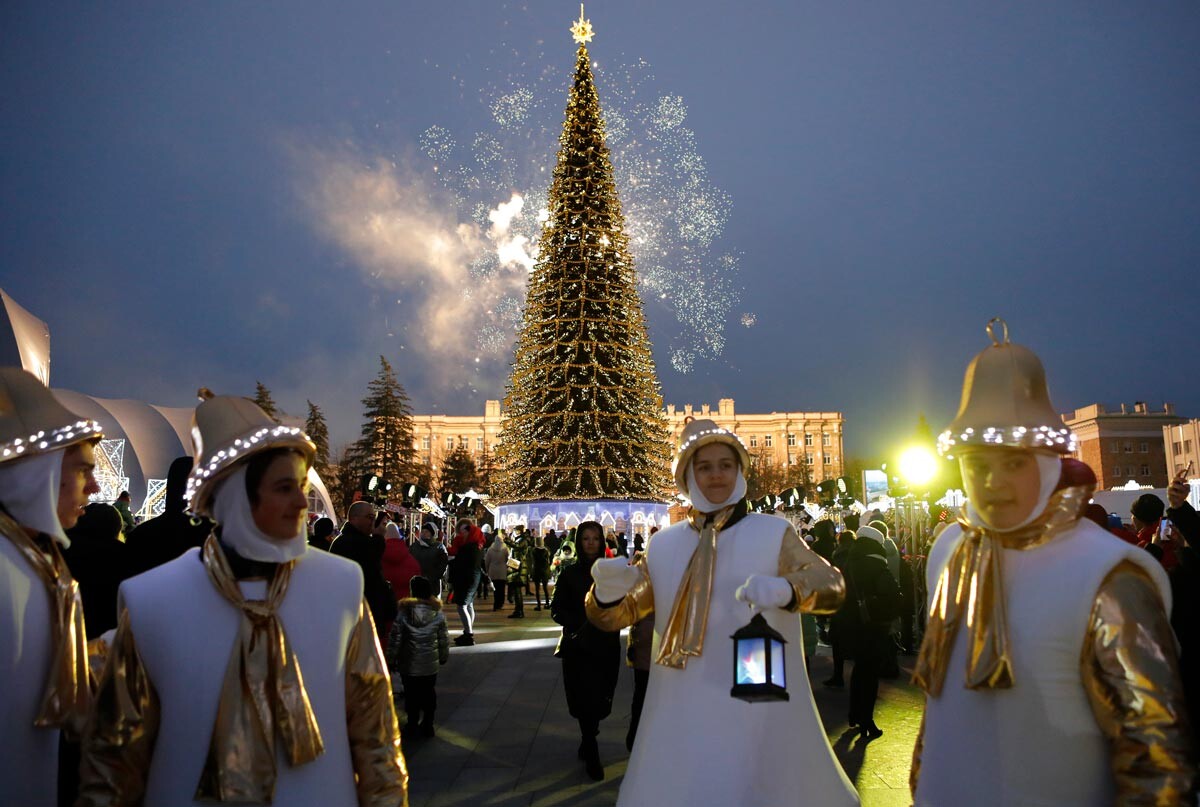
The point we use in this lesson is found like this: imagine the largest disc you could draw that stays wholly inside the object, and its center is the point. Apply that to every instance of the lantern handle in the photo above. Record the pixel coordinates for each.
(992, 334)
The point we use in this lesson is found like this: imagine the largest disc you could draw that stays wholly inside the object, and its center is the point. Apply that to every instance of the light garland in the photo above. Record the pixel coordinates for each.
(257, 440)
(1062, 440)
(50, 440)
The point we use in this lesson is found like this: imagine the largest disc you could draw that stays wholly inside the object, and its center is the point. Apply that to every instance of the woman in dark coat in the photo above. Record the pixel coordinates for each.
(872, 603)
(591, 657)
(465, 571)
(539, 571)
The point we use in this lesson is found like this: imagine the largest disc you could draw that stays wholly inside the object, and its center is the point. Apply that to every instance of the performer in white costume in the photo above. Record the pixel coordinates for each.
(46, 463)
(247, 671)
(696, 744)
(1048, 661)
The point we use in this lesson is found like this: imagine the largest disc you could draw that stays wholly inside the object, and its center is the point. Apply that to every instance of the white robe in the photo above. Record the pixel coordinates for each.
(28, 755)
(184, 630)
(697, 745)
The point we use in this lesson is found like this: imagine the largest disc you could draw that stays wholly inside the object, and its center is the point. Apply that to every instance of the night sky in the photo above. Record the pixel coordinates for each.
(210, 194)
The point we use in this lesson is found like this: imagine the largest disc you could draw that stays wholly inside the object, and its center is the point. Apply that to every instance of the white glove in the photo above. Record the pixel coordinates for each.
(763, 591)
(614, 578)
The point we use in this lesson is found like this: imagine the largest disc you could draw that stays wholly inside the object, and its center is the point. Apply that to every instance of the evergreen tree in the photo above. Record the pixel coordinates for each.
(583, 404)
(485, 469)
(458, 473)
(262, 397)
(346, 476)
(318, 432)
(386, 445)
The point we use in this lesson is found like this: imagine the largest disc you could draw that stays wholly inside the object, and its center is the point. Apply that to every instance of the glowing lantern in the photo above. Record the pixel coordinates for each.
(758, 663)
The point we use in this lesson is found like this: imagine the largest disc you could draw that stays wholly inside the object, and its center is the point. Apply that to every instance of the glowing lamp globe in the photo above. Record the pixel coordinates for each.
(918, 466)
(759, 671)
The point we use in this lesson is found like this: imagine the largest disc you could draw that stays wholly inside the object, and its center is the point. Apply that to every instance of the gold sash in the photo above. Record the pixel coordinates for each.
(684, 633)
(971, 586)
(67, 696)
(263, 693)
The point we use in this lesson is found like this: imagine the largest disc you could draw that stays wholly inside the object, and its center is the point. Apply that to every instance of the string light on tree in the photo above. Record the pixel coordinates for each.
(583, 403)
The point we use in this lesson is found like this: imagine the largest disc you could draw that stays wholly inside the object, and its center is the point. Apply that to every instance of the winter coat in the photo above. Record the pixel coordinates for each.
(419, 642)
(519, 549)
(367, 552)
(433, 560)
(872, 596)
(399, 566)
(591, 657)
(464, 566)
(496, 561)
(539, 564)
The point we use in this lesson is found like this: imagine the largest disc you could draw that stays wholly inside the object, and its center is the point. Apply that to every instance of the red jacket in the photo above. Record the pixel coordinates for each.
(399, 566)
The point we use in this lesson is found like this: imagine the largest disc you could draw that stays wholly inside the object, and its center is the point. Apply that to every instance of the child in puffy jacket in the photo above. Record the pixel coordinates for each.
(418, 645)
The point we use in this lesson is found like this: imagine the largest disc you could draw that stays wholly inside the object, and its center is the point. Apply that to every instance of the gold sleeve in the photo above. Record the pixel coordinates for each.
(1131, 675)
(118, 741)
(914, 773)
(634, 607)
(817, 587)
(380, 772)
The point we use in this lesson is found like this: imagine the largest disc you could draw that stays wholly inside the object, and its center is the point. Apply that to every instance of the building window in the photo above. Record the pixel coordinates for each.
(825, 439)
(828, 460)
(1116, 446)
(766, 441)
(1128, 446)
(808, 439)
(425, 443)
(1145, 470)
(791, 439)
(1175, 448)
(1144, 447)
(1116, 470)
(1187, 446)
(1129, 472)
(449, 443)
(754, 441)
(791, 459)
(479, 444)
(808, 458)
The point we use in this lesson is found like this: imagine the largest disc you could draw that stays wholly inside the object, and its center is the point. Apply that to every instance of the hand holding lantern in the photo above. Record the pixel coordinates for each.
(762, 591)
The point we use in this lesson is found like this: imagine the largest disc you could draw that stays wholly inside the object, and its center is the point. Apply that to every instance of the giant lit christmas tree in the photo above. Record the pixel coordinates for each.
(583, 403)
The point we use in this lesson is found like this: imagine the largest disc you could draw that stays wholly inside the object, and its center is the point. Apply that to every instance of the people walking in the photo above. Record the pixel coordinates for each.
(496, 564)
(518, 570)
(431, 555)
(418, 646)
(591, 657)
(873, 599)
(465, 572)
(539, 571)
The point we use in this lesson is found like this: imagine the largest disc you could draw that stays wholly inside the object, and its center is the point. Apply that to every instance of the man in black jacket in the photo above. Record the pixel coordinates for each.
(167, 536)
(357, 543)
(1185, 591)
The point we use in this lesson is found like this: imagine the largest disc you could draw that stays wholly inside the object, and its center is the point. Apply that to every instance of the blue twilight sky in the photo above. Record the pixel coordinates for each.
(218, 193)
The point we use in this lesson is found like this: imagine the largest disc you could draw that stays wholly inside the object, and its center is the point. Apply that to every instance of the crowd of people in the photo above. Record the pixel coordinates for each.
(1056, 647)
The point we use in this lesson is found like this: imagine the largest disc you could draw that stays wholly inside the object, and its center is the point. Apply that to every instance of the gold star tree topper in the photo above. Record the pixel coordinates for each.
(582, 31)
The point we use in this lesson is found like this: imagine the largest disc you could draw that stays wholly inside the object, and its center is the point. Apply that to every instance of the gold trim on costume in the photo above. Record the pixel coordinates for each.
(683, 635)
(67, 695)
(118, 742)
(971, 586)
(635, 606)
(380, 771)
(817, 587)
(262, 695)
(1131, 676)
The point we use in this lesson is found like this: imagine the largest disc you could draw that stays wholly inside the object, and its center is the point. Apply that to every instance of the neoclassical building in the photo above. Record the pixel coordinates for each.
(787, 438)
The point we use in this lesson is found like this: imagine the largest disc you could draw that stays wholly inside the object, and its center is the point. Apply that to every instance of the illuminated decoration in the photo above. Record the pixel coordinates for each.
(110, 471)
(584, 406)
(49, 440)
(156, 499)
(582, 31)
(918, 466)
(241, 446)
(561, 515)
(1016, 436)
(759, 668)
